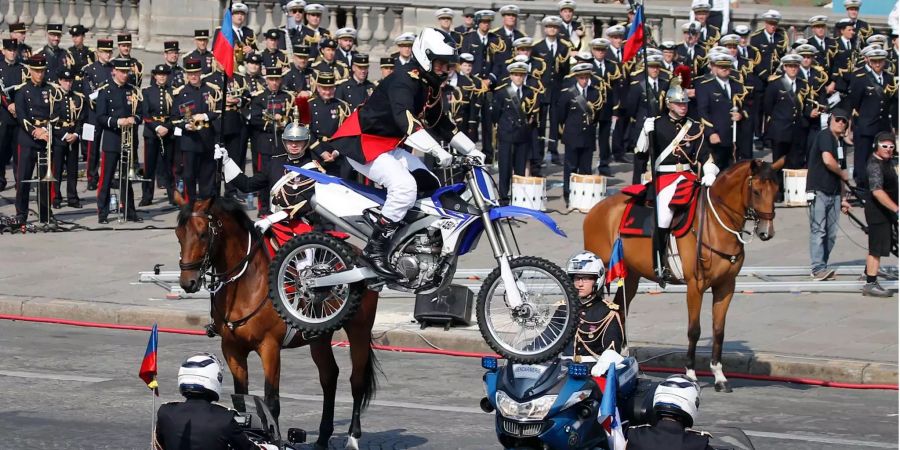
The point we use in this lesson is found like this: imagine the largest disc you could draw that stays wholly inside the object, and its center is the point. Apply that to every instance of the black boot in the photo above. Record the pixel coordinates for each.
(376, 251)
(660, 265)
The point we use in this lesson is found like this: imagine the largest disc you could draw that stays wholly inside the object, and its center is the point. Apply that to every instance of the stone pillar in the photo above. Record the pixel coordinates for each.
(55, 13)
(87, 16)
(132, 24)
(143, 13)
(588, 27)
(40, 16)
(269, 20)
(252, 15)
(11, 16)
(364, 34)
(102, 20)
(71, 18)
(332, 20)
(26, 17)
(397, 28)
(380, 33)
(521, 23)
(117, 24)
(538, 29)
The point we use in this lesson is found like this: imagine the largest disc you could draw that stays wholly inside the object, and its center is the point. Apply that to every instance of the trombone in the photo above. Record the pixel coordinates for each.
(47, 179)
(127, 172)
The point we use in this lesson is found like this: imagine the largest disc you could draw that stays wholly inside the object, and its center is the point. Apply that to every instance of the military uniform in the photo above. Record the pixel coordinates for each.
(667, 434)
(714, 104)
(198, 423)
(354, 92)
(158, 151)
(35, 107)
(515, 110)
(197, 145)
(266, 130)
(274, 58)
(874, 104)
(771, 48)
(58, 59)
(298, 80)
(12, 75)
(71, 111)
(136, 77)
(576, 120)
(205, 57)
(609, 74)
(116, 102)
(326, 117)
(311, 37)
(787, 109)
(556, 68)
(635, 110)
(483, 50)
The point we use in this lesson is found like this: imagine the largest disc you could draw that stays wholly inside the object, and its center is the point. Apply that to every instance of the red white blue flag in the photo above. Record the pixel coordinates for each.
(617, 270)
(609, 412)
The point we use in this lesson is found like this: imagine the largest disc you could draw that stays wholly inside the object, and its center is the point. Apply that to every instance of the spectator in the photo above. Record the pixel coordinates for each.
(824, 180)
(881, 210)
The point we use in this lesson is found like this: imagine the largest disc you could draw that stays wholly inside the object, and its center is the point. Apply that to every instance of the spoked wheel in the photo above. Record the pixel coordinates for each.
(296, 264)
(543, 325)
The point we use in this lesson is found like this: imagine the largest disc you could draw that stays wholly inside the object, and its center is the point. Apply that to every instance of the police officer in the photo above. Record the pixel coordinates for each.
(272, 56)
(635, 108)
(71, 110)
(346, 39)
(327, 61)
(270, 111)
(576, 120)
(197, 107)
(198, 422)
(17, 32)
(357, 88)
(328, 112)
(515, 110)
(676, 402)
(12, 74)
(118, 112)
(403, 55)
(311, 33)
(300, 78)
(201, 52)
(176, 72)
(137, 68)
(57, 58)
(35, 106)
(97, 75)
(873, 98)
(786, 105)
(720, 103)
(158, 135)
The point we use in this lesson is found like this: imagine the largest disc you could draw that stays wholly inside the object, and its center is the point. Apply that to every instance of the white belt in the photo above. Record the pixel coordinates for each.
(672, 168)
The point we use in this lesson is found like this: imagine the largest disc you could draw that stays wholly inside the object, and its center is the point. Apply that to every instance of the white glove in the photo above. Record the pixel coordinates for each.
(263, 224)
(444, 158)
(221, 153)
(650, 124)
(710, 170)
(462, 144)
(477, 154)
(643, 137)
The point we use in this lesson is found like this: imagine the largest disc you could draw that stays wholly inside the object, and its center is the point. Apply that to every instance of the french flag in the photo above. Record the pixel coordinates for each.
(634, 40)
(148, 365)
(223, 48)
(609, 412)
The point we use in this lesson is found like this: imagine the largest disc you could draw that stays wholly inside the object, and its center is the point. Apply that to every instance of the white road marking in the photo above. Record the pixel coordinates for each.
(820, 439)
(52, 376)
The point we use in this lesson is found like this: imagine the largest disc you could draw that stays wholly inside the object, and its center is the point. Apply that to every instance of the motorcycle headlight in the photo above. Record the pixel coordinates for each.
(535, 409)
(576, 398)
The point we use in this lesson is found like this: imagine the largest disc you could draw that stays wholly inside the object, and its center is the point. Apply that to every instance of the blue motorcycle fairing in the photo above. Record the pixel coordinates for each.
(518, 211)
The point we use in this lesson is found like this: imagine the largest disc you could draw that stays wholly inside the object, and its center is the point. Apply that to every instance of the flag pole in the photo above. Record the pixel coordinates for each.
(221, 133)
(153, 420)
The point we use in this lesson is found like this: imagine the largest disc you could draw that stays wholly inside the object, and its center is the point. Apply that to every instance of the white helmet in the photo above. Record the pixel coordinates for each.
(678, 396)
(200, 374)
(432, 44)
(587, 263)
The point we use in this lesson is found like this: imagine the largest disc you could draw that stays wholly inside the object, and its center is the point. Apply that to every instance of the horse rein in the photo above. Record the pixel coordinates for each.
(749, 213)
(204, 267)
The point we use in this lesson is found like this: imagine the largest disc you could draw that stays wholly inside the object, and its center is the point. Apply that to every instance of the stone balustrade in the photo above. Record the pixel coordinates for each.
(154, 21)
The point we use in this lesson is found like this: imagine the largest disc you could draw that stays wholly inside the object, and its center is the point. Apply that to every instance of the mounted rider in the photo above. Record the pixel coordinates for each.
(405, 107)
(680, 153)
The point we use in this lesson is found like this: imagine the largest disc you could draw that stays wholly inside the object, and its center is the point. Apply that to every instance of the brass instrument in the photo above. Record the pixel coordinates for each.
(187, 114)
(127, 172)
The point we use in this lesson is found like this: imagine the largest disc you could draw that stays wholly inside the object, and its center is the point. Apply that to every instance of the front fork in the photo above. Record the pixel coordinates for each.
(499, 245)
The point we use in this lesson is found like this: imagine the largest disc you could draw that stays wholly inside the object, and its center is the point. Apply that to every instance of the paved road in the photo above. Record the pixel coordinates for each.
(68, 387)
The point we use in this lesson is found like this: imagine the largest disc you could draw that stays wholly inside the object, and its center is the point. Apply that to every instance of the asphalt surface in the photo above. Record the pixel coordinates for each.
(73, 388)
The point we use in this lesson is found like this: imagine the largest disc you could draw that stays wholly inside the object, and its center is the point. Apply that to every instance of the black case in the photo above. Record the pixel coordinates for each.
(451, 306)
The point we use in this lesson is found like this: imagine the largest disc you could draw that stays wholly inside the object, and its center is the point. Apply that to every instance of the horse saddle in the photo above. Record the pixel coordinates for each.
(639, 209)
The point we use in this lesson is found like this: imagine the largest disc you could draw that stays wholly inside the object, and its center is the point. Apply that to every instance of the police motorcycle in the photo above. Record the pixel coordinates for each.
(526, 307)
(255, 419)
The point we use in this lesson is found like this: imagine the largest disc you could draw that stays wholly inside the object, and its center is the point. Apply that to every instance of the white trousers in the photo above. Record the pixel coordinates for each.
(392, 170)
(663, 212)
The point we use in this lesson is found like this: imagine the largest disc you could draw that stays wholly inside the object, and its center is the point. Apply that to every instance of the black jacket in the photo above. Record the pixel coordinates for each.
(576, 116)
(199, 425)
(516, 119)
(787, 111)
(667, 434)
(115, 102)
(714, 106)
(190, 100)
(873, 103)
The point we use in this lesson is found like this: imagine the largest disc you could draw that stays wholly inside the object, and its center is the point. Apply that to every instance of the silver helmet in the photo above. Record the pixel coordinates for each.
(295, 132)
(676, 94)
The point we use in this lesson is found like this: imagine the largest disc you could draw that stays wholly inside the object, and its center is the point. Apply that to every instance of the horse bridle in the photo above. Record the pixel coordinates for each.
(750, 213)
(213, 225)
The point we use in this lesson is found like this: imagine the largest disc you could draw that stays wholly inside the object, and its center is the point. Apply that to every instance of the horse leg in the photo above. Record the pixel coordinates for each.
(323, 356)
(237, 363)
(694, 301)
(270, 356)
(722, 295)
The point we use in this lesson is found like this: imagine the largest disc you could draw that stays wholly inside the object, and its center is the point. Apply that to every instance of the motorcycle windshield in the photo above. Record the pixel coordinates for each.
(728, 438)
(255, 419)
(527, 381)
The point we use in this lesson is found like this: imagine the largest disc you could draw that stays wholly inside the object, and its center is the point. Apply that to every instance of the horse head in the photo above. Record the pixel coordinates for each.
(763, 188)
(197, 230)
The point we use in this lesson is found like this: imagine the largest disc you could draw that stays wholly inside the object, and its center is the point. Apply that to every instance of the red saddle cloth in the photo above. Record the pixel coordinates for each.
(638, 217)
(281, 232)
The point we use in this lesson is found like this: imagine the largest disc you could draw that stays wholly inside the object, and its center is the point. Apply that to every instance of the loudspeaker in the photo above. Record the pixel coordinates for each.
(451, 306)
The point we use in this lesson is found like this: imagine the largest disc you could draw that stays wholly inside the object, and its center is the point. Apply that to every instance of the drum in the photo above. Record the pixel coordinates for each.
(794, 187)
(586, 191)
(529, 192)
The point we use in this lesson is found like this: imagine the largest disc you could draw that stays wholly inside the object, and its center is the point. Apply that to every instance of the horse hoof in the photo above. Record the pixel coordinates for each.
(690, 374)
(723, 386)
(352, 443)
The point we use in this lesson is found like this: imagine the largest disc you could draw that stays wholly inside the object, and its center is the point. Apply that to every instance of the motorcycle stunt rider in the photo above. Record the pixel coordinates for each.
(676, 403)
(405, 107)
(600, 325)
(290, 191)
(198, 423)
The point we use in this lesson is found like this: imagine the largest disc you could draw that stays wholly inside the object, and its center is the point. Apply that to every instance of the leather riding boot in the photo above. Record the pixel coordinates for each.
(660, 247)
(376, 251)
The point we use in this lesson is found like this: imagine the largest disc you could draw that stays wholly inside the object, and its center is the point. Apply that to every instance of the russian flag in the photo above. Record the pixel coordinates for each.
(609, 412)
(617, 270)
(223, 48)
(148, 365)
(634, 40)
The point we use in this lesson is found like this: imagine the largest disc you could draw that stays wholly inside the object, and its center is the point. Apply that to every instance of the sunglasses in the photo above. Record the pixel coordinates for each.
(840, 120)
(886, 146)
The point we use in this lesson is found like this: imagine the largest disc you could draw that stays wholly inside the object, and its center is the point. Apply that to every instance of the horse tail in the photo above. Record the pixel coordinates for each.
(370, 376)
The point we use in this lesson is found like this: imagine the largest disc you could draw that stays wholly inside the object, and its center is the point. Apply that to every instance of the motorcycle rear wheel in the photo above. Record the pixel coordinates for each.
(545, 323)
(309, 309)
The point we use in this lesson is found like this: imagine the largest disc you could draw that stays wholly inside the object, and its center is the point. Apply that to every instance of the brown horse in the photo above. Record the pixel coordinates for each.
(218, 238)
(746, 191)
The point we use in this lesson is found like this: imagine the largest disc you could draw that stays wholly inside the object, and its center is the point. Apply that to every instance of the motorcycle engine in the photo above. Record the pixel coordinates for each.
(418, 260)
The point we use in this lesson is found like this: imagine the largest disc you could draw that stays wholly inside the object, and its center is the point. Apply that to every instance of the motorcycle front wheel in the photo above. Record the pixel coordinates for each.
(311, 309)
(543, 325)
